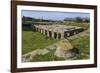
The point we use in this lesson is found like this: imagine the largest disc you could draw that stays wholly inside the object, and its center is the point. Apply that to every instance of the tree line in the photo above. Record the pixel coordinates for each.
(77, 19)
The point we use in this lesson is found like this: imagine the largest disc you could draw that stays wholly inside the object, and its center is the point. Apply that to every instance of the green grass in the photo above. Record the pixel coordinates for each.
(84, 25)
(35, 40)
(68, 23)
(47, 57)
(82, 44)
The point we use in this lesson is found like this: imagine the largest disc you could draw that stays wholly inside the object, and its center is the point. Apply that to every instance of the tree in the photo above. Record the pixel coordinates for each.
(68, 19)
(78, 19)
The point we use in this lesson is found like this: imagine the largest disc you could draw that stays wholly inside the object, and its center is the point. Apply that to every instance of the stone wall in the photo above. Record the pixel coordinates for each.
(57, 33)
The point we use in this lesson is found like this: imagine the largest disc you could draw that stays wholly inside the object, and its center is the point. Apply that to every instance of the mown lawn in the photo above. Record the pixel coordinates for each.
(35, 40)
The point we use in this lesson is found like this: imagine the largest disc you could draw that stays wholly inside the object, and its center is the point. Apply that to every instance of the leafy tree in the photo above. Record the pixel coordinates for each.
(78, 19)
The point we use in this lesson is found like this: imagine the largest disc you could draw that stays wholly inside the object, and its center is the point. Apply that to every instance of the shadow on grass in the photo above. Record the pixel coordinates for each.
(75, 50)
(27, 27)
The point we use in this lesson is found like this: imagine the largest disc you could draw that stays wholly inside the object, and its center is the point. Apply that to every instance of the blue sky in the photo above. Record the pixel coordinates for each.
(53, 15)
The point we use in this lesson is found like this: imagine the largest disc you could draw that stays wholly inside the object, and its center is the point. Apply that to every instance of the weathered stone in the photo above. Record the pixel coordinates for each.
(63, 49)
(57, 29)
(42, 51)
(29, 56)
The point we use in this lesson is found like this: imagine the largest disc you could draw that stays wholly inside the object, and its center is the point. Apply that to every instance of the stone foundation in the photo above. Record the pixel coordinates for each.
(58, 31)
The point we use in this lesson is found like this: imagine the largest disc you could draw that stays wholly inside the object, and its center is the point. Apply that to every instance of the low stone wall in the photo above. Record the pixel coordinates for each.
(59, 34)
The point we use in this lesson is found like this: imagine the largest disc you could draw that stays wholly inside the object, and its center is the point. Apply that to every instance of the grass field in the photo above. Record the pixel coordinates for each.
(81, 42)
(35, 40)
(84, 25)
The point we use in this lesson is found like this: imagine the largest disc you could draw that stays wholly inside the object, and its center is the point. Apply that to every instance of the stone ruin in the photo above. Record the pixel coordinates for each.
(57, 30)
(65, 49)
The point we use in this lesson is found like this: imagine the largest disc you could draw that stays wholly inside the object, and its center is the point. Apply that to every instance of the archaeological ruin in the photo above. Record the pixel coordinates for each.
(57, 30)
